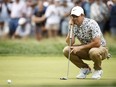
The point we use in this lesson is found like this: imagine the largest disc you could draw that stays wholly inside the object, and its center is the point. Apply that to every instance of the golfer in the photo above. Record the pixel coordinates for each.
(92, 44)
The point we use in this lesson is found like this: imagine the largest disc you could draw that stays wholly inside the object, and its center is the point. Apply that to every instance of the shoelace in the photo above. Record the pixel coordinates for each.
(83, 71)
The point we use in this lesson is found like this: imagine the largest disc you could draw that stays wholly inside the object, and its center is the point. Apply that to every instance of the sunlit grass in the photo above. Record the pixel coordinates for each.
(32, 63)
(46, 71)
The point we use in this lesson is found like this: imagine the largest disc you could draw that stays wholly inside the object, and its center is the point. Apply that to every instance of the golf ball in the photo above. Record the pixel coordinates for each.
(9, 81)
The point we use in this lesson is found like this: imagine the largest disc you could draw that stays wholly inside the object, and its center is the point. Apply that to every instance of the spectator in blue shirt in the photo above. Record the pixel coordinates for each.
(113, 19)
(39, 11)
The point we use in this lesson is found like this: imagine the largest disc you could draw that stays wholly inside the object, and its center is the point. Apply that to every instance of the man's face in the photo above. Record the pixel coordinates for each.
(77, 19)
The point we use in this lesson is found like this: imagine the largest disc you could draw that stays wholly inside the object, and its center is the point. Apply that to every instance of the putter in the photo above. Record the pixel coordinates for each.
(66, 78)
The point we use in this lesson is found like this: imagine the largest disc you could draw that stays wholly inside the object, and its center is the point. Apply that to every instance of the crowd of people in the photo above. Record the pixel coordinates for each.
(49, 18)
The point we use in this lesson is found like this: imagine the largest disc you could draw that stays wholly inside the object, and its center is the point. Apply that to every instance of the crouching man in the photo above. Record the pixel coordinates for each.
(92, 47)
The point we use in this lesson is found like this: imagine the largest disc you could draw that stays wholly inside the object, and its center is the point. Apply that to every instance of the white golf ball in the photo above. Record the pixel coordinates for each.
(9, 81)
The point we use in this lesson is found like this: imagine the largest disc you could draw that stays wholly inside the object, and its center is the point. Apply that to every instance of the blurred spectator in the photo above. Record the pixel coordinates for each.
(29, 10)
(99, 12)
(70, 3)
(113, 20)
(23, 30)
(4, 18)
(110, 4)
(4, 30)
(39, 11)
(65, 12)
(107, 21)
(29, 13)
(18, 10)
(45, 3)
(86, 5)
(53, 18)
(77, 2)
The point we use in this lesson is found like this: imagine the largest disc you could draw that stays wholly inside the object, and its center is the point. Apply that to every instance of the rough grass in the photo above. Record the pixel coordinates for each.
(111, 43)
(31, 47)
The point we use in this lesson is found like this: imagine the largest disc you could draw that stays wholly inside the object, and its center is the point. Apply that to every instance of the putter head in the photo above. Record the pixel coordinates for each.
(64, 78)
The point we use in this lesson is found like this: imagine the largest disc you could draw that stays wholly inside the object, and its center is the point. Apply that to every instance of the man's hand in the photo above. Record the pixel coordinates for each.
(76, 49)
(71, 24)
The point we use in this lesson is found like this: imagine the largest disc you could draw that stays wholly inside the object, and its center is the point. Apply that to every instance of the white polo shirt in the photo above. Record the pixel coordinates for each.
(52, 14)
(18, 9)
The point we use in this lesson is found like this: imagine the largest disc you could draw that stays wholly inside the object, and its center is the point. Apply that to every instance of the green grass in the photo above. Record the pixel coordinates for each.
(32, 47)
(46, 71)
(31, 63)
(111, 43)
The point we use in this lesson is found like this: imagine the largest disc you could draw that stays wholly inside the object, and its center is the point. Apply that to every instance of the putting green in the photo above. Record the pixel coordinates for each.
(46, 72)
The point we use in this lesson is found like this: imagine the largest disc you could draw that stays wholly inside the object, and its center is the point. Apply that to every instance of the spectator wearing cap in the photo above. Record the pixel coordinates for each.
(18, 10)
(23, 30)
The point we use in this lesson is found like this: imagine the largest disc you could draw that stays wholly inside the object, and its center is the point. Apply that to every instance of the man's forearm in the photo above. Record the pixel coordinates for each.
(91, 45)
(68, 40)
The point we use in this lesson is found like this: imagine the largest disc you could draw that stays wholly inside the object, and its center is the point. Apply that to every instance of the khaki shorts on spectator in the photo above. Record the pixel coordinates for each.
(52, 26)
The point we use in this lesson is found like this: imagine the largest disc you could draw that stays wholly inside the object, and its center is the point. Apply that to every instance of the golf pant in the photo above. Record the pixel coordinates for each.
(94, 54)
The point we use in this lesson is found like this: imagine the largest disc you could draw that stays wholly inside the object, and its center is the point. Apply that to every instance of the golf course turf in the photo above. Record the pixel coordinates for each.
(46, 71)
(29, 63)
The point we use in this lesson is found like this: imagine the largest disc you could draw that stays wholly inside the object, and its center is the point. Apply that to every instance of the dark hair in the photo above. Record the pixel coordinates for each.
(77, 1)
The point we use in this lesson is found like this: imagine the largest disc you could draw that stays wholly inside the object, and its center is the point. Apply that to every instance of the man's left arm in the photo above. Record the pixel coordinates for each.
(96, 42)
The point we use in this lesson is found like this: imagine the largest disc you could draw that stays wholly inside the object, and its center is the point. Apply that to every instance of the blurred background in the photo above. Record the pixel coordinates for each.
(32, 37)
(46, 21)
(22, 19)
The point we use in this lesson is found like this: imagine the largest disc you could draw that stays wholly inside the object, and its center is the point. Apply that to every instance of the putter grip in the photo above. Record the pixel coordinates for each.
(71, 28)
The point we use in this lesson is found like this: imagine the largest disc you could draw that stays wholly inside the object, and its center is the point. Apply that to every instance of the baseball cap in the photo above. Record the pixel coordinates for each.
(77, 11)
(22, 21)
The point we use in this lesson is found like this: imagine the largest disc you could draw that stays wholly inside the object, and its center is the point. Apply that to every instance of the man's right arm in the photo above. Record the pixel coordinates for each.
(68, 39)
(71, 24)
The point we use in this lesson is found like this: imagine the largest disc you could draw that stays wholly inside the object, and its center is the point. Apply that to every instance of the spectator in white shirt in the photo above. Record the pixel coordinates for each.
(18, 10)
(53, 18)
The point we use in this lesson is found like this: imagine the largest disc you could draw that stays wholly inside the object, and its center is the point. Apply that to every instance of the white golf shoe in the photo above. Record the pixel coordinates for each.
(97, 74)
(83, 73)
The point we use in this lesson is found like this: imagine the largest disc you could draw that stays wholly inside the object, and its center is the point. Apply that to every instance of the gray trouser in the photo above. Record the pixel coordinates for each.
(94, 54)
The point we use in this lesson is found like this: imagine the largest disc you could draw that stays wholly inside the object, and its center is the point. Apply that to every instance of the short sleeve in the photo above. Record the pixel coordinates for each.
(95, 29)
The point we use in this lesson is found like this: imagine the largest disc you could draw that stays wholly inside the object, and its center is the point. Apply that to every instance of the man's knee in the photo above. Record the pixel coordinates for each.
(101, 52)
(94, 52)
(66, 50)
